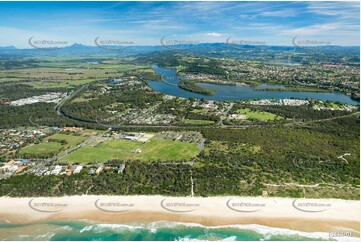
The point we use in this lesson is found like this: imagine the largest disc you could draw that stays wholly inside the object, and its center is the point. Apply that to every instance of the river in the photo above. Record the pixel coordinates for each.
(226, 92)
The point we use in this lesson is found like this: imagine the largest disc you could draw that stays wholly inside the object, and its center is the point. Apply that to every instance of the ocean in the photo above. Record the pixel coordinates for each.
(84, 230)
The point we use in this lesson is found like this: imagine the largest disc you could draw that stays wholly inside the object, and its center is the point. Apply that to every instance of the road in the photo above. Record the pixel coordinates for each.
(321, 120)
(68, 151)
(224, 115)
(57, 109)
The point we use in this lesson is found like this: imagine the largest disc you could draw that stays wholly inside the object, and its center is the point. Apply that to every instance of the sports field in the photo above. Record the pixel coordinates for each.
(72, 140)
(42, 148)
(154, 150)
(259, 115)
(198, 122)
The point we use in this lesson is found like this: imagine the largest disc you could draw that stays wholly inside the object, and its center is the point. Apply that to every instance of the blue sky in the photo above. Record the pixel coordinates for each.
(145, 23)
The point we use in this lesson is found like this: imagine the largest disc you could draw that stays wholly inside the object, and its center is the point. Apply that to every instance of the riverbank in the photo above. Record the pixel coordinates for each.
(193, 87)
(169, 86)
(308, 215)
(294, 89)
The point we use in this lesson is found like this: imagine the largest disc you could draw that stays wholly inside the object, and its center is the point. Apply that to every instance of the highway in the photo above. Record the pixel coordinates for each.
(57, 109)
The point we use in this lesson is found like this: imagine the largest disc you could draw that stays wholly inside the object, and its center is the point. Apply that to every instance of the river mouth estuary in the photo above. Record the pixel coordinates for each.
(169, 86)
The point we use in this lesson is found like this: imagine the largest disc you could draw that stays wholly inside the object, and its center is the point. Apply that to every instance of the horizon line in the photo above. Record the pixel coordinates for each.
(161, 45)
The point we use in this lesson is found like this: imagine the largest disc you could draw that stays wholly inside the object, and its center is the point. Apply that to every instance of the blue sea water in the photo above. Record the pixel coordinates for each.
(84, 230)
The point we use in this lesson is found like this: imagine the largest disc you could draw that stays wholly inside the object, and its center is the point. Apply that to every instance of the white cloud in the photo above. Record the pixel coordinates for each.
(203, 21)
(214, 34)
(344, 10)
(280, 13)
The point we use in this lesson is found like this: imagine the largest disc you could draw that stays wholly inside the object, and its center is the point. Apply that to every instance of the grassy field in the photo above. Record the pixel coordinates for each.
(156, 149)
(198, 122)
(42, 148)
(62, 74)
(71, 139)
(122, 67)
(47, 147)
(57, 83)
(262, 116)
(327, 105)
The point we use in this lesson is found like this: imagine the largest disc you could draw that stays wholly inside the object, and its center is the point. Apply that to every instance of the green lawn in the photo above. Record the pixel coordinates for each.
(71, 139)
(198, 122)
(53, 147)
(42, 148)
(121, 67)
(58, 83)
(259, 115)
(154, 150)
(334, 105)
(198, 110)
(60, 64)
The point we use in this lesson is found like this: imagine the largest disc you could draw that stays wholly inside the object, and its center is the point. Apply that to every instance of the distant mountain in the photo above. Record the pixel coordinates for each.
(214, 49)
(80, 49)
(7, 48)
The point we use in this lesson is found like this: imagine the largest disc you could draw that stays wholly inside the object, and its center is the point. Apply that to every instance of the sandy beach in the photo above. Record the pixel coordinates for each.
(309, 215)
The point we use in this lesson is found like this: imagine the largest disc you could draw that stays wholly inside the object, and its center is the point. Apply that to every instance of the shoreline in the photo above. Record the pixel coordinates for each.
(305, 215)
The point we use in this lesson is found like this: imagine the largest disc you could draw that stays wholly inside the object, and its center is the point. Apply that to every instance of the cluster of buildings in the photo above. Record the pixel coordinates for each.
(67, 170)
(12, 139)
(129, 81)
(57, 170)
(154, 119)
(48, 98)
(187, 136)
(13, 167)
(107, 168)
(210, 107)
(304, 75)
(293, 102)
(209, 78)
(141, 137)
(339, 77)
(71, 129)
(140, 116)
(286, 102)
(151, 115)
(145, 116)
(39, 171)
(130, 136)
